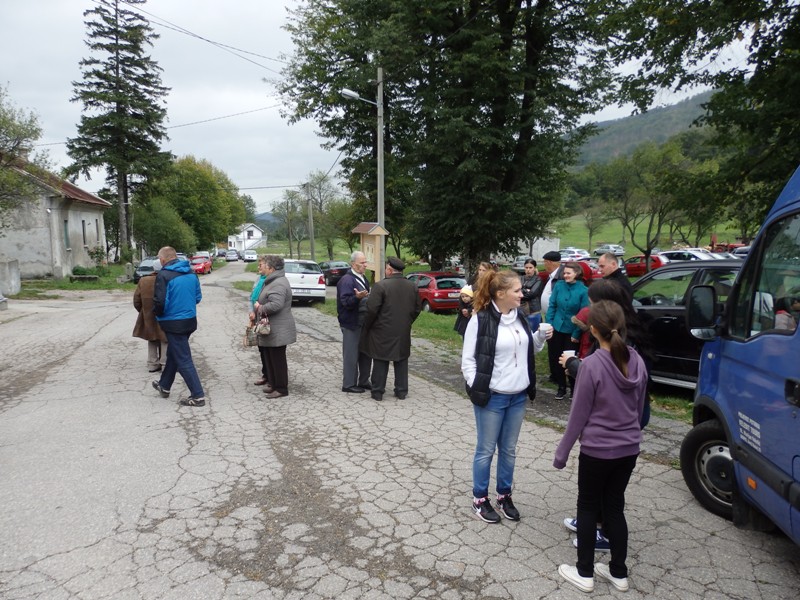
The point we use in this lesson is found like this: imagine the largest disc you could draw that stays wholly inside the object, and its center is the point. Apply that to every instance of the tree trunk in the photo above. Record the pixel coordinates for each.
(123, 216)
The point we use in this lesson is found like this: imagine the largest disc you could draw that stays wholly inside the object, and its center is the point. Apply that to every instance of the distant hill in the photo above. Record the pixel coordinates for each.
(266, 220)
(620, 136)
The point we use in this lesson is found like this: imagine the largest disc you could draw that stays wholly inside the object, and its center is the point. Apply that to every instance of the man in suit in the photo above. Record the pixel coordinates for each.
(351, 305)
(393, 305)
(609, 265)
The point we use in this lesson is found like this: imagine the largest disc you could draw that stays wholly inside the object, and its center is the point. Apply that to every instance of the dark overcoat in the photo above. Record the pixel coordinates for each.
(392, 306)
(146, 325)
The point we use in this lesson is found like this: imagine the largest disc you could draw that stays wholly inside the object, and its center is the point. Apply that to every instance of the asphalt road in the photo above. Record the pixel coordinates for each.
(109, 491)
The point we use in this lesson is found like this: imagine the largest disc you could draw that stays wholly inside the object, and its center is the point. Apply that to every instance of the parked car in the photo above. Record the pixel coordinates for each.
(146, 266)
(250, 256)
(221, 252)
(182, 256)
(333, 270)
(306, 280)
(518, 265)
(231, 255)
(438, 290)
(659, 298)
(203, 253)
(741, 252)
(453, 266)
(688, 254)
(614, 249)
(571, 253)
(635, 265)
(201, 265)
(591, 270)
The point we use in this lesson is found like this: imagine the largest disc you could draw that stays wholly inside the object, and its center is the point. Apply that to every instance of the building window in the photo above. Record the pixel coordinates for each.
(83, 229)
(66, 235)
(97, 229)
(249, 234)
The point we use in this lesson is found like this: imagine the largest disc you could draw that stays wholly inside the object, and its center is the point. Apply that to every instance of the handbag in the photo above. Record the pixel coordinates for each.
(262, 327)
(254, 330)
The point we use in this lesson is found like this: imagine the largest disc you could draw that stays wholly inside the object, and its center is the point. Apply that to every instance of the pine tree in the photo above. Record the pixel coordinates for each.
(122, 123)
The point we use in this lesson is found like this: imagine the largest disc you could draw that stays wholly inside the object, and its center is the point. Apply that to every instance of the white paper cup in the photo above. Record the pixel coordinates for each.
(568, 353)
(545, 327)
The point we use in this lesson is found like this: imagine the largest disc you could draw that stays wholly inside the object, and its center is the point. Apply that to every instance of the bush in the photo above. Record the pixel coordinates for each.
(82, 271)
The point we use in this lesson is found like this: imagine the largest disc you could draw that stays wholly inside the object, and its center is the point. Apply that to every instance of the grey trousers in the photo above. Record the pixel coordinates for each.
(156, 354)
(380, 370)
(355, 364)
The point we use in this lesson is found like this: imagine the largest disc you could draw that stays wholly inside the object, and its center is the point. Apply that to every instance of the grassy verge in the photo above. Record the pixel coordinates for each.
(106, 280)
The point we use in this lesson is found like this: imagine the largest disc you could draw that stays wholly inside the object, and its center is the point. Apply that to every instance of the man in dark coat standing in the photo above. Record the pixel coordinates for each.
(609, 265)
(392, 307)
(351, 307)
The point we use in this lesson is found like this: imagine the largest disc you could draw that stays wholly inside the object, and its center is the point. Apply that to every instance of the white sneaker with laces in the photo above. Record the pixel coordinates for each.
(621, 583)
(570, 573)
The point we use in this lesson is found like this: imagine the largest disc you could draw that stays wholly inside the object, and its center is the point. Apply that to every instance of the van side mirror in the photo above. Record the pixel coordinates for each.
(701, 317)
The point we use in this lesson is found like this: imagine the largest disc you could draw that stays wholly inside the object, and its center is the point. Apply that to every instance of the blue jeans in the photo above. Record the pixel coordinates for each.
(498, 425)
(179, 359)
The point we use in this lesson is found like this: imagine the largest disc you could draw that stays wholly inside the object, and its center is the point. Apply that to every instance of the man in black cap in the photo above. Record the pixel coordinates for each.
(392, 306)
(554, 270)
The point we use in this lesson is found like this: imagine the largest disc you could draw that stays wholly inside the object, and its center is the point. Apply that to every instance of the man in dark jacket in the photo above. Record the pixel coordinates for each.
(392, 307)
(177, 293)
(609, 265)
(351, 306)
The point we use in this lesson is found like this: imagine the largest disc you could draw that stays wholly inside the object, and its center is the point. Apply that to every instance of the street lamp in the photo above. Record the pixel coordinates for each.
(379, 104)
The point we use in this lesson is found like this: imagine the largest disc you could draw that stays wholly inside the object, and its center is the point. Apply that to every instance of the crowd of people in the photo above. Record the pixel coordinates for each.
(595, 345)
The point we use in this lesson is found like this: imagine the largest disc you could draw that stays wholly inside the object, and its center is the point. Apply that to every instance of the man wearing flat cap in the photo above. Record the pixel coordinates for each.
(554, 270)
(392, 306)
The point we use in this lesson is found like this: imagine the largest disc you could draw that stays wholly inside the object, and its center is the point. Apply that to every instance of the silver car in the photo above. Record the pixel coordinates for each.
(614, 249)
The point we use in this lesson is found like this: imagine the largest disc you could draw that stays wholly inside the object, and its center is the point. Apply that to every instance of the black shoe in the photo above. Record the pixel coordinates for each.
(507, 508)
(561, 394)
(192, 401)
(164, 393)
(366, 386)
(377, 396)
(399, 396)
(154, 370)
(353, 389)
(484, 511)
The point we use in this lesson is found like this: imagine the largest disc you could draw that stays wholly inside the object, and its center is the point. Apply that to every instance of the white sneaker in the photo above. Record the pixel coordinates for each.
(621, 583)
(570, 573)
(571, 524)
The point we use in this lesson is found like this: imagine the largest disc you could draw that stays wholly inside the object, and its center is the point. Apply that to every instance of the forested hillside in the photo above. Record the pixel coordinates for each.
(620, 136)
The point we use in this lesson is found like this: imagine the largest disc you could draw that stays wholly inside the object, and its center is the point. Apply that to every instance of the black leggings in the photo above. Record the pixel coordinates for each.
(555, 346)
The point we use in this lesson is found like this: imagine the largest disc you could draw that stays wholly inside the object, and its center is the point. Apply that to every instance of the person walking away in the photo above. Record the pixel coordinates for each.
(275, 303)
(392, 307)
(464, 310)
(498, 365)
(532, 287)
(609, 265)
(352, 291)
(175, 299)
(146, 326)
(262, 351)
(568, 297)
(605, 415)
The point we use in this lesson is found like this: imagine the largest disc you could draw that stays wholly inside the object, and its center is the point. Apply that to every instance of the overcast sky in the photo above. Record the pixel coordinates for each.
(43, 40)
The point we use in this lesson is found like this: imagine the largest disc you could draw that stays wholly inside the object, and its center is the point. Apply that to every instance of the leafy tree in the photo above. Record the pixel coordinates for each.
(123, 120)
(19, 129)
(483, 103)
(158, 224)
(342, 220)
(291, 213)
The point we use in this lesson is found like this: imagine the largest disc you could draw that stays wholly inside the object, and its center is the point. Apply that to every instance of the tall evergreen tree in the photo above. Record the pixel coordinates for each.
(122, 123)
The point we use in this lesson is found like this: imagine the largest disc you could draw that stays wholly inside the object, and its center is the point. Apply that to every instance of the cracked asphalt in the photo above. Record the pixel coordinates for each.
(109, 491)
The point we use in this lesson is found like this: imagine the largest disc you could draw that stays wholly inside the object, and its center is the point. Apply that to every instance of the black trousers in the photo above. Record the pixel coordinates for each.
(555, 346)
(262, 350)
(380, 371)
(601, 489)
(278, 369)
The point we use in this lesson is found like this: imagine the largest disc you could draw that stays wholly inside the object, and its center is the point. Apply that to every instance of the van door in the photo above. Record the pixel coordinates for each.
(759, 379)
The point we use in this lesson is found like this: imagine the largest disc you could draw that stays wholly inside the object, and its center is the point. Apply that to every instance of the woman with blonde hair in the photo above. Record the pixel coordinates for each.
(498, 365)
(606, 412)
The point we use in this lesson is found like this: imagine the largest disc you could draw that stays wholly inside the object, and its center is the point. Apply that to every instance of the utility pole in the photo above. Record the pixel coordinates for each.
(307, 187)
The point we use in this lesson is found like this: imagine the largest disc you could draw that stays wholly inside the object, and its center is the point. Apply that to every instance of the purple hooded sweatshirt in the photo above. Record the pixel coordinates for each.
(606, 409)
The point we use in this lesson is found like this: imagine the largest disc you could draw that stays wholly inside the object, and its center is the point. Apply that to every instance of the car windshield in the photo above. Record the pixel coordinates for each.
(302, 267)
(146, 267)
(450, 283)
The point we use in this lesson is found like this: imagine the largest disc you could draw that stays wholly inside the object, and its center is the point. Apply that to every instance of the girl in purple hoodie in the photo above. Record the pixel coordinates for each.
(605, 415)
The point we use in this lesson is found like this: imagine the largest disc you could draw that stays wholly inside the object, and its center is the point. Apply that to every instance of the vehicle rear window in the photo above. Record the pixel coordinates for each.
(306, 268)
(449, 283)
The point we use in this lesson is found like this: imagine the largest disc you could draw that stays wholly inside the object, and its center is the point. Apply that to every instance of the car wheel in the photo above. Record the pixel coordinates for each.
(707, 467)
(425, 306)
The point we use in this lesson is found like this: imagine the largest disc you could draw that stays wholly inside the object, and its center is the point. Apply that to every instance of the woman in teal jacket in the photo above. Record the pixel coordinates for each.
(568, 297)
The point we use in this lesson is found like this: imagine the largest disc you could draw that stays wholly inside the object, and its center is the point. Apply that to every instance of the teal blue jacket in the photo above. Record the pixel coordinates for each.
(565, 302)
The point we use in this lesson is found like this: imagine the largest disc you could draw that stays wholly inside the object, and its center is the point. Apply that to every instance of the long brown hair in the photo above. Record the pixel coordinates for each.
(608, 321)
(490, 284)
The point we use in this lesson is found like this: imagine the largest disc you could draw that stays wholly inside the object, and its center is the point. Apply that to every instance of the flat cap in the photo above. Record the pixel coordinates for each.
(552, 255)
(395, 263)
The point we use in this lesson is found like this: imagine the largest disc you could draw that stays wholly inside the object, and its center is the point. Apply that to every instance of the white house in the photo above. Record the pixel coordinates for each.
(248, 236)
(50, 234)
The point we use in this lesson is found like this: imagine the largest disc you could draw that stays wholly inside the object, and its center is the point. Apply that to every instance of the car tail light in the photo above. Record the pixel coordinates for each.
(321, 280)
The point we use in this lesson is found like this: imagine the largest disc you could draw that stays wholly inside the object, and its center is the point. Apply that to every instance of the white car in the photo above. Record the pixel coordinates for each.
(306, 280)
(689, 254)
(614, 249)
(250, 256)
(574, 254)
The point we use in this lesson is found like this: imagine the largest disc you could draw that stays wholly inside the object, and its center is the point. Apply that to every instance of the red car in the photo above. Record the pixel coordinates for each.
(635, 266)
(589, 267)
(438, 290)
(201, 265)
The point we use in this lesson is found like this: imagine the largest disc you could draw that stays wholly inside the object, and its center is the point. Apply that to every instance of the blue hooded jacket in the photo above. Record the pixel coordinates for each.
(176, 296)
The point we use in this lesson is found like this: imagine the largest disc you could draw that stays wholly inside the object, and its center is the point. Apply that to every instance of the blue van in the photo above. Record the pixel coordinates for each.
(741, 460)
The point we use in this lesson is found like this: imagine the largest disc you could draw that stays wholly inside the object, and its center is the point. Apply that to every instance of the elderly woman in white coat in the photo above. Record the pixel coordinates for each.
(275, 303)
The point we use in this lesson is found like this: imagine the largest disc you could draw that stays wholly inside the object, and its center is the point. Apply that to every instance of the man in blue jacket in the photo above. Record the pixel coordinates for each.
(175, 299)
(351, 305)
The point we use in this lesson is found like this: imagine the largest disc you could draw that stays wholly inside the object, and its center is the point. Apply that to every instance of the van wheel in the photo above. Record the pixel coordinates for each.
(707, 467)
(425, 306)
